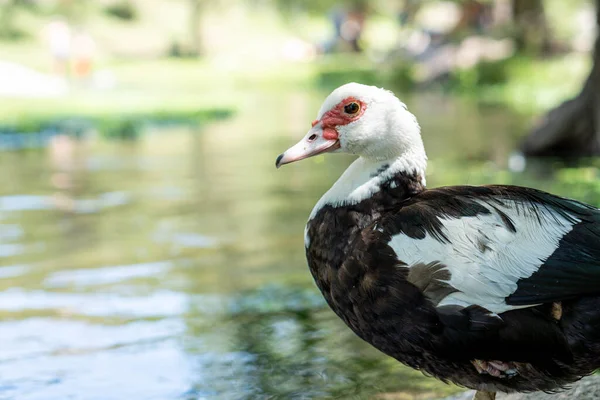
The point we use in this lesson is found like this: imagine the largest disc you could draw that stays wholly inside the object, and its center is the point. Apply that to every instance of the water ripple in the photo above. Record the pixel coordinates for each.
(24, 203)
(11, 249)
(151, 371)
(13, 271)
(157, 304)
(84, 206)
(45, 336)
(107, 275)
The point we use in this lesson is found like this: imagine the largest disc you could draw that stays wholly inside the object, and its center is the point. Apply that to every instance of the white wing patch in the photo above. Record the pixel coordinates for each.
(484, 257)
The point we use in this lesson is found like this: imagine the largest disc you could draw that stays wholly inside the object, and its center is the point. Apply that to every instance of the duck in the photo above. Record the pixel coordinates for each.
(494, 288)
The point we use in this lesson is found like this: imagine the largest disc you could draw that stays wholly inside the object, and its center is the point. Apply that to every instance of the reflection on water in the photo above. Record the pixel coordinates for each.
(173, 267)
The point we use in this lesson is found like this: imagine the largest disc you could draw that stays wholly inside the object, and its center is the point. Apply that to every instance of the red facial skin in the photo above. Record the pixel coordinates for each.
(337, 117)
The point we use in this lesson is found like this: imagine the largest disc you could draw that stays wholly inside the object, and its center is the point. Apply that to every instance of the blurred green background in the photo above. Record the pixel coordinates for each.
(148, 247)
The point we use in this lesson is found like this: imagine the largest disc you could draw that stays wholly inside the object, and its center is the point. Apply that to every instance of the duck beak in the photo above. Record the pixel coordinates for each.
(312, 144)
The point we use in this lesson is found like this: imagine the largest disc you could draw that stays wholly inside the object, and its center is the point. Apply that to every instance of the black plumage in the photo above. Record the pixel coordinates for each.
(394, 306)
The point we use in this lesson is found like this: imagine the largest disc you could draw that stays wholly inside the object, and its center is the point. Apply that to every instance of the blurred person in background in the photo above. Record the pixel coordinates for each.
(84, 49)
(58, 37)
(348, 24)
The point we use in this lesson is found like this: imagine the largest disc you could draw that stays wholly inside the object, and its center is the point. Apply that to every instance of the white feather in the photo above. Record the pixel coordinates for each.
(306, 237)
(386, 134)
(360, 181)
(354, 89)
(485, 258)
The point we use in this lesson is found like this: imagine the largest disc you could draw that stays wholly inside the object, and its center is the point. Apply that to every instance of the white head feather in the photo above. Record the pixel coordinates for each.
(387, 133)
(386, 130)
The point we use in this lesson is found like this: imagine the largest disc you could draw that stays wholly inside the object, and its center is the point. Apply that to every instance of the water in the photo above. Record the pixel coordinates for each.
(172, 267)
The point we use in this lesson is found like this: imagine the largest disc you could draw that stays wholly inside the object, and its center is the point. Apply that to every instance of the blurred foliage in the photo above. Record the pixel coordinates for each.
(583, 182)
(119, 126)
(531, 31)
(319, 6)
(484, 73)
(335, 73)
(76, 11)
(9, 30)
(175, 88)
(131, 126)
(528, 85)
(122, 9)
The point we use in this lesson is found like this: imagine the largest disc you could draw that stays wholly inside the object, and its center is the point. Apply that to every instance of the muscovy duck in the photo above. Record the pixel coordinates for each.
(495, 288)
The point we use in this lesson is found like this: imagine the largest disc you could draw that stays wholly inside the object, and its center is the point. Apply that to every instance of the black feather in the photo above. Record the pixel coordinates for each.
(394, 307)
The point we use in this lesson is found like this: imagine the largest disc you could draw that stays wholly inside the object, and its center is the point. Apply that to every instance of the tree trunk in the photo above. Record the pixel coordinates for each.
(573, 128)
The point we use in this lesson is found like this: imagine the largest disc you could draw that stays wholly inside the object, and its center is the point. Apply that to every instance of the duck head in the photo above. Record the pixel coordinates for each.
(366, 121)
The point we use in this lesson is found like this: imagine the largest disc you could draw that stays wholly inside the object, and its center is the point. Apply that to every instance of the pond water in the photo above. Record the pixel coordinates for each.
(172, 267)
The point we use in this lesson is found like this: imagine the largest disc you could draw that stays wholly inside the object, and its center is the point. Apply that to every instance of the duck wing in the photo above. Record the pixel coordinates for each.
(495, 248)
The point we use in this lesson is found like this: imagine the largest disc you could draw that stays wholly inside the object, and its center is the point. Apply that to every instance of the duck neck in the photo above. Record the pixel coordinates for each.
(382, 181)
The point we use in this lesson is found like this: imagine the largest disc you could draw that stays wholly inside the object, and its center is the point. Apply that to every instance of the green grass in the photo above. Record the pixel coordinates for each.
(147, 92)
(116, 114)
(160, 90)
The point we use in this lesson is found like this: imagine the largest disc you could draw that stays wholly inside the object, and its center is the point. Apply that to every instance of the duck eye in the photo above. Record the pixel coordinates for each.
(351, 108)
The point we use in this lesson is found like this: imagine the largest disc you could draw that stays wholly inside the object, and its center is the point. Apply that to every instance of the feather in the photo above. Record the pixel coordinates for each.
(503, 247)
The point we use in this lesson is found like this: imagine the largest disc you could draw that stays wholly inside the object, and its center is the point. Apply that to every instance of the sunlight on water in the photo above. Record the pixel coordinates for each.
(172, 267)
(12, 271)
(107, 275)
